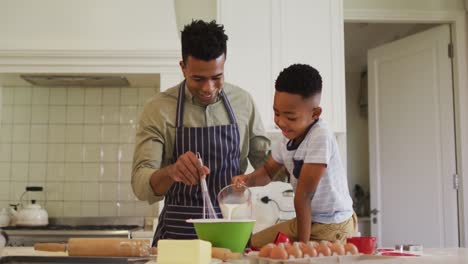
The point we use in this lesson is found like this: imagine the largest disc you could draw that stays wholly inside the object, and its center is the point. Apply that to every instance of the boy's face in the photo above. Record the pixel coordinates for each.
(294, 114)
(204, 79)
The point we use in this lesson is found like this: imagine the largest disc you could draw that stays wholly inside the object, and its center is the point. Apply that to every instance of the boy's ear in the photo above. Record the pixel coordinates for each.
(317, 112)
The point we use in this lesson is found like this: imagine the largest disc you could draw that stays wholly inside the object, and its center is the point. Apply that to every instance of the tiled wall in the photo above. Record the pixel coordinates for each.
(75, 142)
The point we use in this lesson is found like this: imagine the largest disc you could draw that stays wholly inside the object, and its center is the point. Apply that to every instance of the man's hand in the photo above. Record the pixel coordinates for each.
(188, 169)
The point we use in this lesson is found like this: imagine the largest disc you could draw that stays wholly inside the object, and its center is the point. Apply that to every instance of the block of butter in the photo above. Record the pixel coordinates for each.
(184, 251)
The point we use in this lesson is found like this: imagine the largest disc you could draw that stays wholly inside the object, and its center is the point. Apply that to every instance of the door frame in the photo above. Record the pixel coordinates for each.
(457, 21)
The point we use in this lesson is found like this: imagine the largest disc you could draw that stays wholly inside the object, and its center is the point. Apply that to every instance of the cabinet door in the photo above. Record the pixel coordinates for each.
(249, 59)
(266, 36)
(312, 33)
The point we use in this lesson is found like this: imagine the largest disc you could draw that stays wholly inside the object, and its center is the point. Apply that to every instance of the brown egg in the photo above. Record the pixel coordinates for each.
(351, 249)
(325, 242)
(279, 252)
(301, 244)
(337, 248)
(294, 250)
(309, 250)
(324, 250)
(266, 250)
(313, 244)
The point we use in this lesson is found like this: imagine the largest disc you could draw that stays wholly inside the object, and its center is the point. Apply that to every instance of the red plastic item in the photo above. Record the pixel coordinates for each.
(365, 245)
(398, 254)
(282, 238)
(252, 248)
(385, 249)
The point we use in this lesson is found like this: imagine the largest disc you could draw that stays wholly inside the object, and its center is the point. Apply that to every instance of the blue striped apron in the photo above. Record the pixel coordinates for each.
(219, 149)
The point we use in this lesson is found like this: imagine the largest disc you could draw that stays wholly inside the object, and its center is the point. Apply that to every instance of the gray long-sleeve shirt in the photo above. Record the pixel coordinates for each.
(156, 132)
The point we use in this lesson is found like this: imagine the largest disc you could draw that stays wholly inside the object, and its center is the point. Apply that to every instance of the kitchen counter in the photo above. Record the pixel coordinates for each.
(29, 255)
(431, 256)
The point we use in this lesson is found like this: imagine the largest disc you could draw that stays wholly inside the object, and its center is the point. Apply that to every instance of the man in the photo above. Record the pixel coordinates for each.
(200, 115)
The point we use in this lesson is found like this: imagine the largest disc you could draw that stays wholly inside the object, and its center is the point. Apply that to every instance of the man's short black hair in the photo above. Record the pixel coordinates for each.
(300, 79)
(203, 40)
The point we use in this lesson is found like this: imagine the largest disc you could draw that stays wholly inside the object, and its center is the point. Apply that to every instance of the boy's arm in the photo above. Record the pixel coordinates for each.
(307, 184)
(261, 176)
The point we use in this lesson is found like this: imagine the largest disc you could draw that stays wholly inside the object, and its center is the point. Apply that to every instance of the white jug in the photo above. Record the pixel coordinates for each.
(4, 217)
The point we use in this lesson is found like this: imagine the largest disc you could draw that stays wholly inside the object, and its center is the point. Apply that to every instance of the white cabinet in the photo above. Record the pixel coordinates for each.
(266, 36)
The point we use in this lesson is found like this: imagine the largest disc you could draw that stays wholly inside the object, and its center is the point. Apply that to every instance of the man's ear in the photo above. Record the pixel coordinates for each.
(182, 67)
(317, 112)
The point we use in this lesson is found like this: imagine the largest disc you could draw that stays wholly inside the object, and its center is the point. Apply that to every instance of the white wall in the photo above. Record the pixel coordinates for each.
(417, 5)
(88, 25)
(186, 10)
(75, 142)
(357, 136)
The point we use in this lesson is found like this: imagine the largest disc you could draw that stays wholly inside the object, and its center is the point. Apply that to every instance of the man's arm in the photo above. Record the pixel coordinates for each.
(258, 141)
(150, 182)
(307, 184)
(148, 156)
(147, 160)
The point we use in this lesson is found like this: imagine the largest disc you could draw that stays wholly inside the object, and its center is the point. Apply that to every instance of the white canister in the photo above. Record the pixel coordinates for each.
(4, 218)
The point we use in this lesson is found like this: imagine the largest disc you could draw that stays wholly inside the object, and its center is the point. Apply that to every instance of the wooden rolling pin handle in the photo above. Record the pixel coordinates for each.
(52, 247)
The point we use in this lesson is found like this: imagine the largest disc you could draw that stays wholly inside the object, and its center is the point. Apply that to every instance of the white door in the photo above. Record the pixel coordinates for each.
(412, 141)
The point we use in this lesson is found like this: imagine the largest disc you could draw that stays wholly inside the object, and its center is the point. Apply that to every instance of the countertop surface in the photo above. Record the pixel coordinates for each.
(430, 256)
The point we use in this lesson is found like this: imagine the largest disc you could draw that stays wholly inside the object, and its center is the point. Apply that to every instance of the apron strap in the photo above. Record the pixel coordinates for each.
(228, 107)
(181, 110)
(180, 105)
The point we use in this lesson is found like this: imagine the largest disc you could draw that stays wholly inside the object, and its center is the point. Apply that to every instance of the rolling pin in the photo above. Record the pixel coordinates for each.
(100, 247)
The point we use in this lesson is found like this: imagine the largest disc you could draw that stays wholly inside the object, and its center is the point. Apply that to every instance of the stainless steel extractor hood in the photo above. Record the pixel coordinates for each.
(76, 80)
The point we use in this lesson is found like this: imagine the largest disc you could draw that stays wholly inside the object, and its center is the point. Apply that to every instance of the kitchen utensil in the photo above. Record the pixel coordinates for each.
(4, 217)
(3, 241)
(32, 214)
(208, 210)
(235, 202)
(398, 254)
(413, 248)
(72, 260)
(109, 247)
(224, 233)
(365, 245)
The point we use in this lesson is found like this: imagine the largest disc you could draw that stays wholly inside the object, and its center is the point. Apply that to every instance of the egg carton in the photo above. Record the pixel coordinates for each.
(255, 259)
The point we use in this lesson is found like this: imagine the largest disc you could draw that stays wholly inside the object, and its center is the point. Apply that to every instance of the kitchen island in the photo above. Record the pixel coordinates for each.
(430, 256)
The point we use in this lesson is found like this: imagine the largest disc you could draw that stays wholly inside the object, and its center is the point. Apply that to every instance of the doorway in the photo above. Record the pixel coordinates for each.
(393, 215)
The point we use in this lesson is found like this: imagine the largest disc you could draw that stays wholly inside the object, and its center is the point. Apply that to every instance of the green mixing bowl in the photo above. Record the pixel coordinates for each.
(231, 234)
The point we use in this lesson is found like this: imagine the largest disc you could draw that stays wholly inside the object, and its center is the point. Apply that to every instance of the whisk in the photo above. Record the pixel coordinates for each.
(208, 210)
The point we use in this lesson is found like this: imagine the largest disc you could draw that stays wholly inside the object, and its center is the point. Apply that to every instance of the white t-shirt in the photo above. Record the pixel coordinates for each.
(331, 202)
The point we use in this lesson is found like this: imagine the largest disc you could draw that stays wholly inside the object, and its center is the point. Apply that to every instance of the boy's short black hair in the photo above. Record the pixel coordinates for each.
(203, 40)
(300, 79)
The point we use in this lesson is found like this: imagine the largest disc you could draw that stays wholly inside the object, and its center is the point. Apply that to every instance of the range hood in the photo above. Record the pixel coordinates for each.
(55, 80)
(89, 43)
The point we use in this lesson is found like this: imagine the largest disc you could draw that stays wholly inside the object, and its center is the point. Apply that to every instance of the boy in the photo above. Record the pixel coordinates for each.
(310, 154)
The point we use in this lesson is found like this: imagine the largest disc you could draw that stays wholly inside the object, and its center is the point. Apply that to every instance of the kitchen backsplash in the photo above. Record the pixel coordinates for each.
(75, 142)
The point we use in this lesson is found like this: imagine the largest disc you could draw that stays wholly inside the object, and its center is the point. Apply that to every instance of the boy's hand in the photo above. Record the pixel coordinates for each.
(240, 180)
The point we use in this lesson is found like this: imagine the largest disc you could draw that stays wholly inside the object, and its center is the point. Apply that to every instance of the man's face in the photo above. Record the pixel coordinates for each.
(204, 79)
(294, 114)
